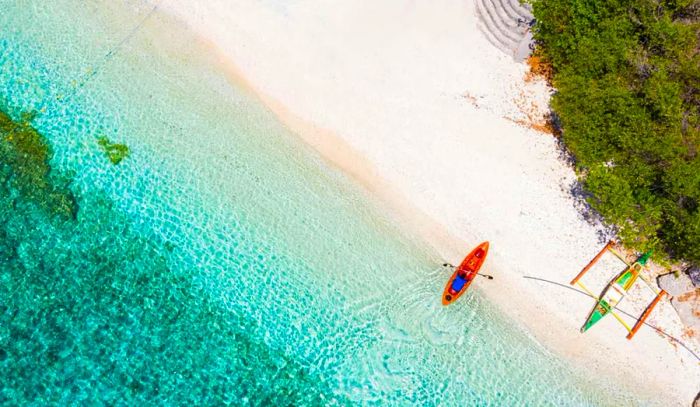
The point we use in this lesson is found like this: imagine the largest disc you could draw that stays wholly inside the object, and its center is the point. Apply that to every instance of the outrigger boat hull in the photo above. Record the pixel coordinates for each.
(458, 285)
(615, 292)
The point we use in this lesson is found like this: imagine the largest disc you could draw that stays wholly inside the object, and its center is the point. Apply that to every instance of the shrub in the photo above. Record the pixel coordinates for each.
(627, 74)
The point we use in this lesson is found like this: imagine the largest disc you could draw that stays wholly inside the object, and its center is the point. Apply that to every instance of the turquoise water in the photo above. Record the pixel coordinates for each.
(221, 261)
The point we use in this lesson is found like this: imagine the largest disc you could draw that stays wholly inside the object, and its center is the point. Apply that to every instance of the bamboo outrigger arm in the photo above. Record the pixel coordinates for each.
(612, 310)
(650, 285)
(591, 263)
(645, 315)
(619, 256)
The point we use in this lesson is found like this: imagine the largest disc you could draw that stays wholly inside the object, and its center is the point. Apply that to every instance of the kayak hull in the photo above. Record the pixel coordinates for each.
(469, 267)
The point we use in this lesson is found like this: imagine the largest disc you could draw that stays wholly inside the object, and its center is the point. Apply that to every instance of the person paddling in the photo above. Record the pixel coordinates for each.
(465, 274)
(459, 282)
(461, 279)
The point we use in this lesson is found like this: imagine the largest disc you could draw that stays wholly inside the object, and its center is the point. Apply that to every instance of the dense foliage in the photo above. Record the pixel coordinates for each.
(627, 74)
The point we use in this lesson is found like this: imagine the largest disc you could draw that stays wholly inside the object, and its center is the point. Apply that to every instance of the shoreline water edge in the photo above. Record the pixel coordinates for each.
(145, 286)
(410, 103)
(307, 85)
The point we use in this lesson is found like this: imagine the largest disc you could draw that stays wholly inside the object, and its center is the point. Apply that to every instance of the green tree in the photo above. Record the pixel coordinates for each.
(627, 75)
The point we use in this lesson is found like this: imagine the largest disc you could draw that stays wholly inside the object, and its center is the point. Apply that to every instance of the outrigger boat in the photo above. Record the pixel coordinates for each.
(615, 291)
(465, 274)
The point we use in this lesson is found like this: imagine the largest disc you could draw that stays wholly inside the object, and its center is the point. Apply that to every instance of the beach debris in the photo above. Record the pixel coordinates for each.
(539, 68)
(534, 112)
(545, 124)
(532, 101)
(471, 99)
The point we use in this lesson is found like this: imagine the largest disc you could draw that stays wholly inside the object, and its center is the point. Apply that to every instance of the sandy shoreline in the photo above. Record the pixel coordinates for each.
(385, 104)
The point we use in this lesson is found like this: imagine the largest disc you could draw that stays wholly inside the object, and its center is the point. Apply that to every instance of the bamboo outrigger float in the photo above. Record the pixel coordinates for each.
(616, 289)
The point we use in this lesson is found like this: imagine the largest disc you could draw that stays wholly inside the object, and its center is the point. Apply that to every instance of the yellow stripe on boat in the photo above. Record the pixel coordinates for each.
(622, 321)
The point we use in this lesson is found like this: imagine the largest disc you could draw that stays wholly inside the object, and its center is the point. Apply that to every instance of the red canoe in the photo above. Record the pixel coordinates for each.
(464, 274)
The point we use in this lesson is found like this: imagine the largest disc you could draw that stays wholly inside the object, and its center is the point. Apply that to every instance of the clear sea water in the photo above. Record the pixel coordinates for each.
(222, 262)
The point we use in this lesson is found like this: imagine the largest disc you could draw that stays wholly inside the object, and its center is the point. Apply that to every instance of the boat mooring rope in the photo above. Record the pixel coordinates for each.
(657, 329)
(109, 55)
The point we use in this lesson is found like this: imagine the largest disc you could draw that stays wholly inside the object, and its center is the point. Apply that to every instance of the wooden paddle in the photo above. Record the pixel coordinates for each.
(478, 274)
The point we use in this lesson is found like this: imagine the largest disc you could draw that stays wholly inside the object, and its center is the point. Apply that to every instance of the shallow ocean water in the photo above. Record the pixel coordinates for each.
(222, 261)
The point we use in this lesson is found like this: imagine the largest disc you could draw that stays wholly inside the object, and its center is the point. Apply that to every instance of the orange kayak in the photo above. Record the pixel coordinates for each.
(465, 274)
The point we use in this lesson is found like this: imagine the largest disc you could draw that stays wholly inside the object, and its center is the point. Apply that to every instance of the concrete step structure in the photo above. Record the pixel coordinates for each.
(506, 25)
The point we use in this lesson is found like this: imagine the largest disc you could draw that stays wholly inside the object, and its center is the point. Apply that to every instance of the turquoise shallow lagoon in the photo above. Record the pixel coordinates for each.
(221, 262)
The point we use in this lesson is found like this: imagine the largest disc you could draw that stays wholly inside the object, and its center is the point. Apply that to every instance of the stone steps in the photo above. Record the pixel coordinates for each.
(500, 13)
(508, 9)
(524, 10)
(499, 27)
(504, 23)
(505, 47)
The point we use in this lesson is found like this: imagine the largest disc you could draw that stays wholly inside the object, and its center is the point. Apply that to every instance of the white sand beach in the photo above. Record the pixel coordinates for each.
(411, 100)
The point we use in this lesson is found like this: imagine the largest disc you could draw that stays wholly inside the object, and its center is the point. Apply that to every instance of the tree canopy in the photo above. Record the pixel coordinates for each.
(627, 75)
